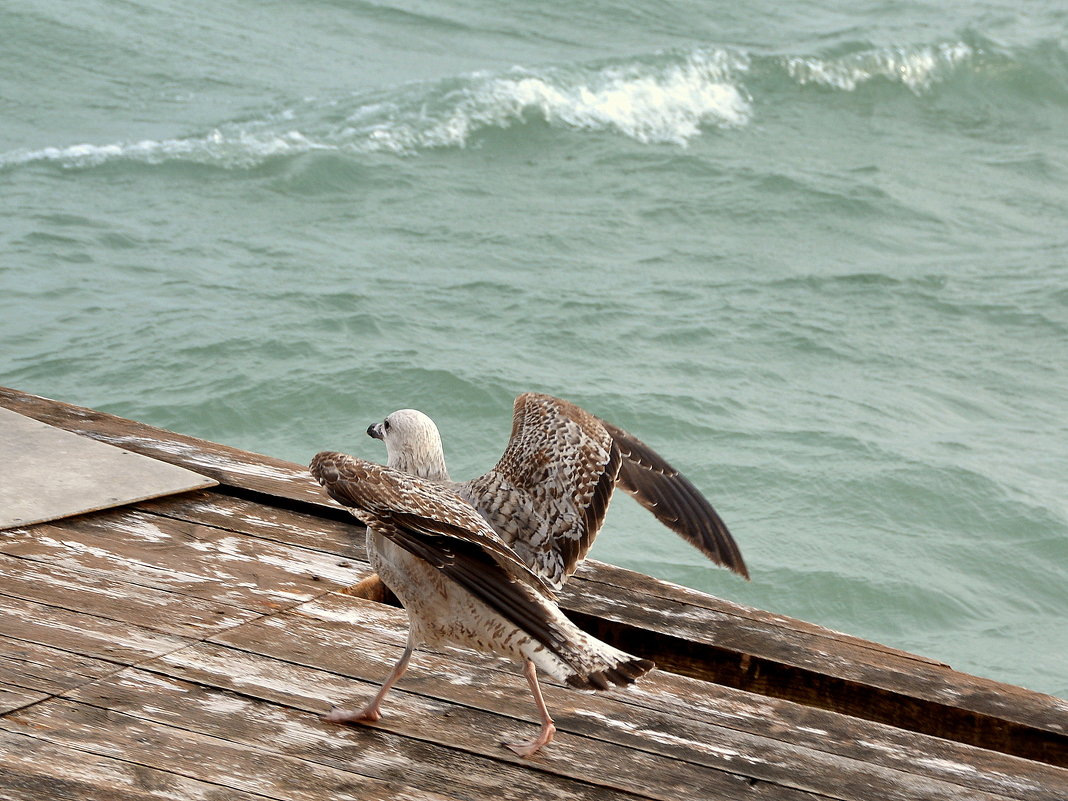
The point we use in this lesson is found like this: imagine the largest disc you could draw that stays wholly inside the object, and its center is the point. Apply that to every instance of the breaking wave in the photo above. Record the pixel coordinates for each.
(915, 68)
(666, 103)
(665, 99)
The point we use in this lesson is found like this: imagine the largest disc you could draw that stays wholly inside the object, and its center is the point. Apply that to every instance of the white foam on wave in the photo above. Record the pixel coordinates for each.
(651, 104)
(667, 99)
(234, 148)
(917, 68)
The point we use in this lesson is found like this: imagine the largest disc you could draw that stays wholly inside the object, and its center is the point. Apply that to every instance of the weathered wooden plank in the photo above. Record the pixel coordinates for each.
(715, 642)
(683, 737)
(178, 556)
(857, 738)
(93, 592)
(343, 538)
(111, 641)
(730, 633)
(639, 585)
(260, 770)
(32, 769)
(905, 693)
(14, 697)
(341, 634)
(47, 670)
(469, 760)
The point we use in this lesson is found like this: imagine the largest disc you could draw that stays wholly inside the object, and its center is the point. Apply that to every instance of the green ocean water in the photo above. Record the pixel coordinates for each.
(817, 257)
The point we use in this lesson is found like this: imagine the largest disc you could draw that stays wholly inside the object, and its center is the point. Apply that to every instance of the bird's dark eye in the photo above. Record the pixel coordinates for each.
(385, 424)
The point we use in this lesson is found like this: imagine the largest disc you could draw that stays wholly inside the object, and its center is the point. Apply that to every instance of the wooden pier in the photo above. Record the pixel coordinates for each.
(183, 648)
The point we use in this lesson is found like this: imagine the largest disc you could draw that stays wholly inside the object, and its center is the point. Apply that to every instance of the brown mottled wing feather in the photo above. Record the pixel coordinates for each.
(677, 504)
(426, 519)
(548, 494)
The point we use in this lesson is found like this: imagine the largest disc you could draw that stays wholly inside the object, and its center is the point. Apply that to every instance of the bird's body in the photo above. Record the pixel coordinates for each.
(477, 563)
(461, 585)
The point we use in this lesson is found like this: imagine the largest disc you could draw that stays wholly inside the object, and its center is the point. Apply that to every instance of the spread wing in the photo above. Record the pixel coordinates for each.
(431, 522)
(674, 501)
(548, 494)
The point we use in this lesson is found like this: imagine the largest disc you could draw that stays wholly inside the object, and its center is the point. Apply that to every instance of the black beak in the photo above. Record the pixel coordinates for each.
(373, 431)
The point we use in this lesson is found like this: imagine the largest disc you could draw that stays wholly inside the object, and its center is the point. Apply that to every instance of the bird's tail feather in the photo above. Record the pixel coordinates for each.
(586, 663)
(622, 674)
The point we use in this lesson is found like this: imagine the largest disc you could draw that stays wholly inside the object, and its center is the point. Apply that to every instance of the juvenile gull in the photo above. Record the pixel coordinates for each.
(548, 495)
(462, 585)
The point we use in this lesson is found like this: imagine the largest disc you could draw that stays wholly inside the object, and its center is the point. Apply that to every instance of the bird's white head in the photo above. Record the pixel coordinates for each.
(412, 444)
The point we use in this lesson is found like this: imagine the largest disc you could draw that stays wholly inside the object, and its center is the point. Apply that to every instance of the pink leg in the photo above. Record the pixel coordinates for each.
(373, 711)
(545, 736)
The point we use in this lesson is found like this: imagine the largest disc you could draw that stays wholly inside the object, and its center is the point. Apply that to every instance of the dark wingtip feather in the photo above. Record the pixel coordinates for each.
(675, 502)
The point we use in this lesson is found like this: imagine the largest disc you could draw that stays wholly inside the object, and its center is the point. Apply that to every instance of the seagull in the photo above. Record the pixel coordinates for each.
(463, 585)
(548, 494)
(479, 563)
